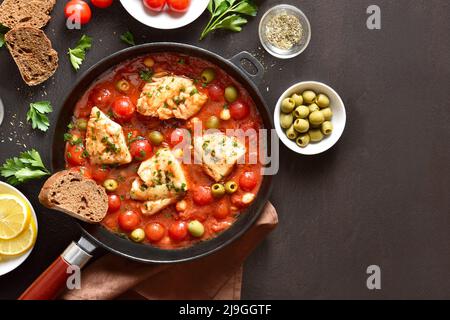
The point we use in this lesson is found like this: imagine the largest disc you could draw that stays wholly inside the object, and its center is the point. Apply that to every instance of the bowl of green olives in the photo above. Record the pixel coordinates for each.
(310, 117)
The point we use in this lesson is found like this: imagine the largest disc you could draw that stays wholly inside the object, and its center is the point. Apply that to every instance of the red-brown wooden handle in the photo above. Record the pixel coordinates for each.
(50, 283)
(54, 279)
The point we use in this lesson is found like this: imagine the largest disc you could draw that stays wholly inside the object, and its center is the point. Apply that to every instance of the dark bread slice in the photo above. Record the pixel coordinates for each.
(33, 53)
(30, 13)
(70, 192)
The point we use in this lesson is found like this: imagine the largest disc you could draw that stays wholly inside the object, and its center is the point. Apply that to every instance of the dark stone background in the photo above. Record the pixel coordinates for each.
(380, 196)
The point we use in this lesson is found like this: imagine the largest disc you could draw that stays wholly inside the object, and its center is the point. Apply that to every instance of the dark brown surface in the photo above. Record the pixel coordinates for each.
(380, 196)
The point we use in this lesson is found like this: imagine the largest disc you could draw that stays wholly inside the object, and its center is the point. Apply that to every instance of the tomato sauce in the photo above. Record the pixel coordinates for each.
(216, 216)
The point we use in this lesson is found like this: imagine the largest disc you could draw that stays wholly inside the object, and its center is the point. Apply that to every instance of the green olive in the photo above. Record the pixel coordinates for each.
(287, 105)
(315, 135)
(110, 185)
(327, 114)
(291, 133)
(217, 190)
(138, 235)
(298, 99)
(156, 137)
(196, 228)
(322, 100)
(213, 122)
(286, 120)
(327, 128)
(301, 112)
(316, 118)
(301, 125)
(122, 85)
(208, 75)
(313, 107)
(309, 96)
(231, 187)
(303, 140)
(81, 124)
(231, 94)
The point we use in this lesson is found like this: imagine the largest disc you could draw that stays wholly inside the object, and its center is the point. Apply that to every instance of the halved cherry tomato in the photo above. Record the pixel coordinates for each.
(155, 5)
(248, 180)
(101, 97)
(74, 155)
(178, 230)
(114, 202)
(102, 3)
(239, 110)
(154, 231)
(79, 10)
(100, 174)
(222, 210)
(129, 220)
(141, 149)
(202, 196)
(123, 108)
(177, 137)
(215, 92)
(179, 5)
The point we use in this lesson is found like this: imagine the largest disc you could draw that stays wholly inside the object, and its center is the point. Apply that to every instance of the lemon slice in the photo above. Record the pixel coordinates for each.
(14, 216)
(21, 243)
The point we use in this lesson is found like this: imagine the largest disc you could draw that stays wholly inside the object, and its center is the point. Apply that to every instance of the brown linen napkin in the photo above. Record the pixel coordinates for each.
(217, 276)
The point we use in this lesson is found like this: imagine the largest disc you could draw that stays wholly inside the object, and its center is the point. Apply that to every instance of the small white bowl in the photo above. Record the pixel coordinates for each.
(338, 120)
(8, 264)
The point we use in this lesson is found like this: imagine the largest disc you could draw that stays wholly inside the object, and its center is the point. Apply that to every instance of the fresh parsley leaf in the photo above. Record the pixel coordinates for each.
(78, 54)
(26, 167)
(228, 14)
(37, 115)
(3, 30)
(146, 75)
(128, 38)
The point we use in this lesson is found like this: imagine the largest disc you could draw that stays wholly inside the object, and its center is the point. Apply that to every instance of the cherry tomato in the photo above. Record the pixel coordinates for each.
(203, 196)
(155, 5)
(248, 180)
(154, 231)
(177, 137)
(123, 108)
(100, 174)
(178, 5)
(129, 220)
(215, 92)
(74, 155)
(114, 202)
(141, 149)
(101, 97)
(178, 230)
(102, 3)
(83, 171)
(222, 210)
(79, 10)
(239, 110)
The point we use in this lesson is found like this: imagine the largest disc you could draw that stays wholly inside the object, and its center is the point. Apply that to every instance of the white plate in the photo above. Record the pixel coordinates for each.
(164, 19)
(8, 264)
(339, 118)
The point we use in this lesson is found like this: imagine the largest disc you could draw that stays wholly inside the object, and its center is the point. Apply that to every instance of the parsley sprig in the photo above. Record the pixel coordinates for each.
(26, 167)
(128, 38)
(228, 14)
(37, 114)
(3, 30)
(78, 54)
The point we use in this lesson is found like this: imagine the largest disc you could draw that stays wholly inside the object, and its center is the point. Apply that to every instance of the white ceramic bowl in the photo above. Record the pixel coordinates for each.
(8, 264)
(164, 19)
(338, 120)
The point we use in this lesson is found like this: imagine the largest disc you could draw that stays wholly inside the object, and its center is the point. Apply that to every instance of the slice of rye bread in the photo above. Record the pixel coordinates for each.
(70, 192)
(33, 53)
(30, 13)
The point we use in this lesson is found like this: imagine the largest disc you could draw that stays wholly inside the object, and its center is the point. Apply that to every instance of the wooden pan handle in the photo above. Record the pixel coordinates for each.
(53, 280)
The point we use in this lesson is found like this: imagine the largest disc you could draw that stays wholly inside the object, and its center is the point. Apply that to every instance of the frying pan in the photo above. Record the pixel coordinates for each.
(50, 283)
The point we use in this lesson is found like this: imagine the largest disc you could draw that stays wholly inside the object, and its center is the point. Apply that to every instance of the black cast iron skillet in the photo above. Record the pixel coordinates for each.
(54, 278)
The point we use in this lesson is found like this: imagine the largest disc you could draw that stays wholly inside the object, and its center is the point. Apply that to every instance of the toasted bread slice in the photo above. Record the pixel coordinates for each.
(33, 53)
(70, 192)
(26, 13)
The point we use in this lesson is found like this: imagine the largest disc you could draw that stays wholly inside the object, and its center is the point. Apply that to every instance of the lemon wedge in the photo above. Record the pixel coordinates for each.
(21, 243)
(14, 216)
